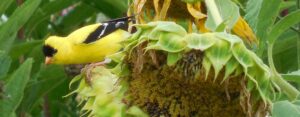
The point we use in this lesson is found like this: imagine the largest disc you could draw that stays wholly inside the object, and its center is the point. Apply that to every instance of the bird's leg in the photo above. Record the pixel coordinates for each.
(88, 69)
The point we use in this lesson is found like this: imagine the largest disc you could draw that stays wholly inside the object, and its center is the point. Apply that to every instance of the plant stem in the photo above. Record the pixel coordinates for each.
(286, 87)
(46, 108)
(270, 58)
(212, 7)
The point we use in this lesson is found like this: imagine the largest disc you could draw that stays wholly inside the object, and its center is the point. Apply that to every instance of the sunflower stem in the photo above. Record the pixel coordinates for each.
(270, 58)
(212, 7)
(286, 87)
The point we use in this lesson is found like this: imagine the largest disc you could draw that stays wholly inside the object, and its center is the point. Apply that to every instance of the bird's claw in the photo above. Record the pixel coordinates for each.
(88, 71)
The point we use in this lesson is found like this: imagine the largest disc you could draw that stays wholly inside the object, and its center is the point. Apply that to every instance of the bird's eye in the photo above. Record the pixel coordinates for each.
(49, 51)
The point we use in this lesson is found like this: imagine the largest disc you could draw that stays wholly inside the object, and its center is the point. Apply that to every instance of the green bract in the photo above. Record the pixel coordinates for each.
(221, 51)
(103, 97)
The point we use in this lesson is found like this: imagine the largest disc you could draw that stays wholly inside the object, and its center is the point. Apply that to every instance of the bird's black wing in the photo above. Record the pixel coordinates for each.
(107, 28)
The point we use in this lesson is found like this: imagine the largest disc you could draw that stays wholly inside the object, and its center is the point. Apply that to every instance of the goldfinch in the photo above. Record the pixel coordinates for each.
(88, 44)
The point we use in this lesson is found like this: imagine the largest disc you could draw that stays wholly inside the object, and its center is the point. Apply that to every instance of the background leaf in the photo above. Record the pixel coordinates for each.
(47, 79)
(266, 17)
(261, 15)
(5, 62)
(284, 52)
(23, 48)
(284, 24)
(14, 89)
(286, 109)
(252, 10)
(119, 7)
(4, 4)
(44, 12)
(75, 18)
(9, 29)
(293, 76)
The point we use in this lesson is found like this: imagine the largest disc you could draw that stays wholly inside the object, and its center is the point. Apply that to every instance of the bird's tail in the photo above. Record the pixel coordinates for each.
(124, 19)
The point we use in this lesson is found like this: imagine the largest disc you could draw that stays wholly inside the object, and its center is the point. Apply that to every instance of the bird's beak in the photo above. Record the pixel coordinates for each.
(48, 60)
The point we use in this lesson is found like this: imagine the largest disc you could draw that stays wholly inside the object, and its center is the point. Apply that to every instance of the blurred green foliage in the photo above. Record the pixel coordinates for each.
(27, 86)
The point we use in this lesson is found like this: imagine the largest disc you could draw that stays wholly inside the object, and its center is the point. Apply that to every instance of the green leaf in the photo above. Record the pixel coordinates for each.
(4, 4)
(173, 58)
(45, 11)
(288, 21)
(265, 17)
(284, 51)
(45, 80)
(229, 12)
(59, 106)
(5, 62)
(221, 27)
(75, 17)
(293, 76)
(265, 20)
(14, 89)
(253, 8)
(118, 6)
(286, 42)
(23, 48)
(286, 109)
(287, 4)
(20, 16)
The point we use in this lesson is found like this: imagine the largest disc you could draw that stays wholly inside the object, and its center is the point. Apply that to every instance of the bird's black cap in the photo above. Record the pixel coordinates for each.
(49, 51)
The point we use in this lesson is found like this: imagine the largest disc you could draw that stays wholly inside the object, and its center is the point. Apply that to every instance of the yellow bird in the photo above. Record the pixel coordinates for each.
(88, 44)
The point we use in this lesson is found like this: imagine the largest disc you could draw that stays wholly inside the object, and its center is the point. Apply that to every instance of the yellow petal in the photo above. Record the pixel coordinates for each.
(243, 30)
(196, 13)
(201, 26)
(140, 5)
(164, 9)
